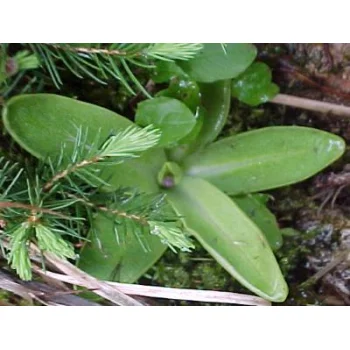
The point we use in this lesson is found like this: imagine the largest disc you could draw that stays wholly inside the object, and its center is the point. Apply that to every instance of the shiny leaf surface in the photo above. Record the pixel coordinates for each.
(229, 236)
(265, 158)
(254, 86)
(219, 62)
(174, 119)
(212, 116)
(126, 261)
(262, 217)
(40, 123)
(185, 90)
(216, 100)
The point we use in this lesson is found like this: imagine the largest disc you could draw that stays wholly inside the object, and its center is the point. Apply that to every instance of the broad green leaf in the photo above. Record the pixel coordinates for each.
(126, 261)
(265, 158)
(254, 86)
(166, 70)
(229, 236)
(219, 62)
(41, 123)
(262, 217)
(187, 91)
(172, 117)
(191, 137)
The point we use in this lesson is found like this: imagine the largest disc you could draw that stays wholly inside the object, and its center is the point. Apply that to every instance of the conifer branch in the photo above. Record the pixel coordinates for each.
(42, 208)
(125, 144)
(31, 208)
(109, 61)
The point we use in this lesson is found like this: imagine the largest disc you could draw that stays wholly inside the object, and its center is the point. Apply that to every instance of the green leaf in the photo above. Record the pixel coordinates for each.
(125, 262)
(265, 158)
(172, 117)
(254, 85)
(165, 70)
(216, 99)
(40, 123)
(219, 62)
(229, 236)
(262, 217)
(184, 90)
(192, 136)
(140, 172)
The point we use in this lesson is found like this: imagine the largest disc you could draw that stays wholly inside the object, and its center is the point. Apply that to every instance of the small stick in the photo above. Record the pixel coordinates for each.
(312, 105)
(32, 208)
(170, 293)
(101, 288)
(341, 257)
(119, 292)
(90, 50)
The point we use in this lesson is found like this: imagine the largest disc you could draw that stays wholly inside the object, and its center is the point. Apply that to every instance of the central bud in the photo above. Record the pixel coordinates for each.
(170, 175)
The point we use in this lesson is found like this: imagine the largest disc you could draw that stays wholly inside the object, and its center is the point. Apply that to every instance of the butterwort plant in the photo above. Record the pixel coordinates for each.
(213, 184)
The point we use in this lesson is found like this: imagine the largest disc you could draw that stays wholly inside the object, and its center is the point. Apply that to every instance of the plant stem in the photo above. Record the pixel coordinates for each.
(312, 105)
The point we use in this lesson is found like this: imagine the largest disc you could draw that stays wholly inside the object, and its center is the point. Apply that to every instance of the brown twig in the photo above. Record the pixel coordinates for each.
(312, 105)
(31, 208)
(123, 214)
(62, 174)
(90, 50)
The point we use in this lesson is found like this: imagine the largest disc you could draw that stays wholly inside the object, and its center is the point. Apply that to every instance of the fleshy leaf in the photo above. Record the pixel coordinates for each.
(254, 85)
(229, 236)
(212, 116)
(262, 217)
(219, 62)
(165, 70)
(126, 261)
(40, 123)
(265, 158)
(174, 119)
(185, 90)
(216, 98)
